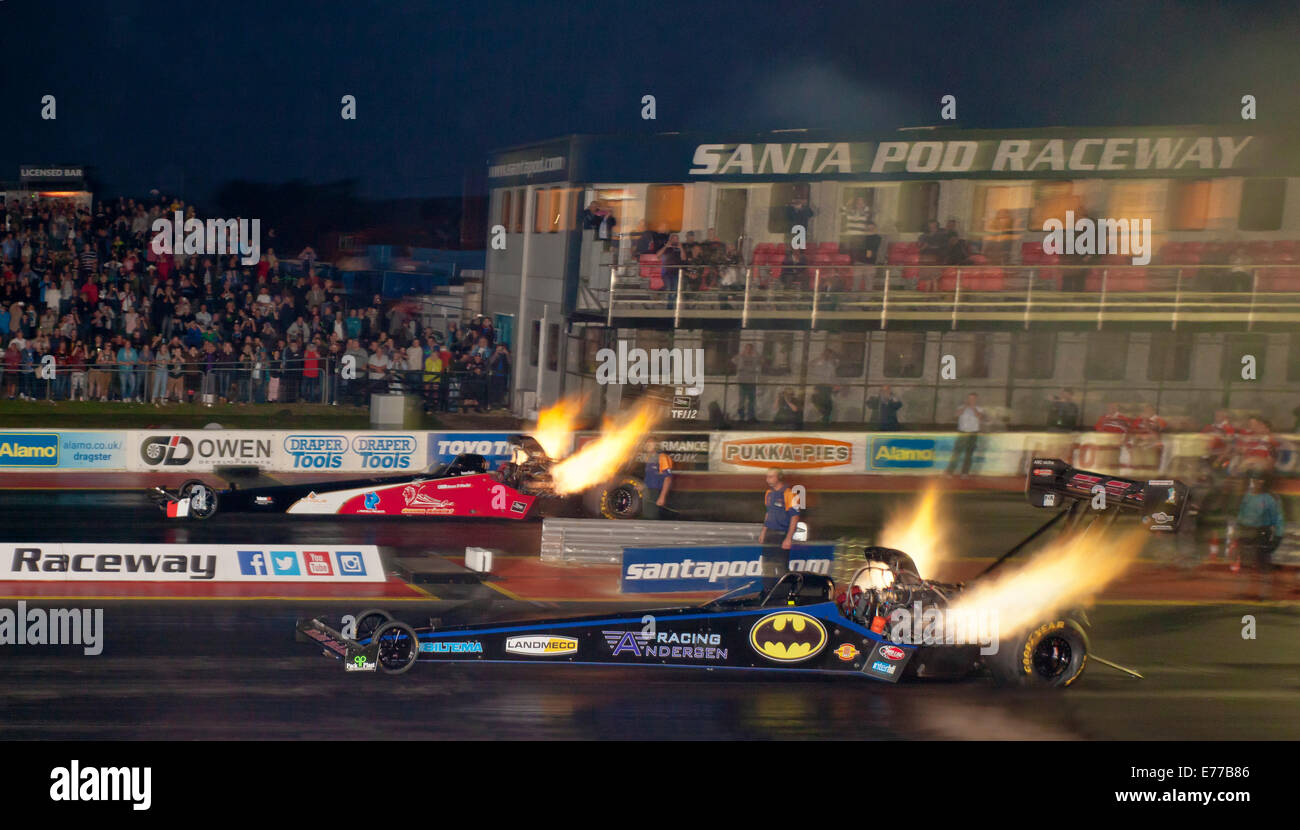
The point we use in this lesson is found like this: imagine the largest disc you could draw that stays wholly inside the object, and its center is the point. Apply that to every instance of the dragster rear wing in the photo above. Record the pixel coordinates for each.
(1053, 483)
(355, 656)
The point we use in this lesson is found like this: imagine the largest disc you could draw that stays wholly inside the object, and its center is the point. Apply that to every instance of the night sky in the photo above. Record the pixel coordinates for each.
(184, 96)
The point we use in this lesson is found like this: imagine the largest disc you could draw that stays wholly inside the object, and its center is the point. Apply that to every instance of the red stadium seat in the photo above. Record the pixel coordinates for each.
(651, 270)
(993, 279)
(1279, 279)
(1127, 279)
(1261, 251)
(904, 253)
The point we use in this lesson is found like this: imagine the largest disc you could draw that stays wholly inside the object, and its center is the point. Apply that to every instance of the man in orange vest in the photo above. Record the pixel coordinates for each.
(658, 480)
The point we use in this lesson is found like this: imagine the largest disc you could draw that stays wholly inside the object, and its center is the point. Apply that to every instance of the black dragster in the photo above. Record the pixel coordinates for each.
(791, 621)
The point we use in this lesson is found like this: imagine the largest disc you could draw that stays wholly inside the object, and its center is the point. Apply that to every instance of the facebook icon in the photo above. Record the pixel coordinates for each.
(252, 563)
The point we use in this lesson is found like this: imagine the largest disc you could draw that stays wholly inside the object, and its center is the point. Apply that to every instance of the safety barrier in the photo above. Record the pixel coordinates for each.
(601, 541)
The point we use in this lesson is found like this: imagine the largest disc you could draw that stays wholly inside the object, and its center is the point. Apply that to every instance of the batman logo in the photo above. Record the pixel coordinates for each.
(788, 636)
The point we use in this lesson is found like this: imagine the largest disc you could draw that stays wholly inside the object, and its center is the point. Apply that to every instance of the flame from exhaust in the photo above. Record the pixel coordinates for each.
(554, 430)
(1069, 572)
(602, 458)
(920, 530)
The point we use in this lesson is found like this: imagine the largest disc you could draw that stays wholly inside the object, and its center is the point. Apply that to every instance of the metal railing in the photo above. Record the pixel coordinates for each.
(1097, 294)
(285, 381)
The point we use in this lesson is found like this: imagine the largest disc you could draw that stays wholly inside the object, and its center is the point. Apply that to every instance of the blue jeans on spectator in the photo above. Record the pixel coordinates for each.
(311, 389)
(159, 389)
(127, 378)
(748, 402)
(61, 381)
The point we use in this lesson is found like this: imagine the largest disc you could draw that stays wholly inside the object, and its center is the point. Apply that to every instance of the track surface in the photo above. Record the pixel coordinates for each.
(231, 670)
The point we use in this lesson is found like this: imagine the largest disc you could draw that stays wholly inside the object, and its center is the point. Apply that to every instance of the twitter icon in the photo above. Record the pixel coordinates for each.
(285, 563)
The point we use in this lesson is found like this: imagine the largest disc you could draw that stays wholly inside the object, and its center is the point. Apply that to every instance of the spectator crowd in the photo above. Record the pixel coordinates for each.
(89, 311)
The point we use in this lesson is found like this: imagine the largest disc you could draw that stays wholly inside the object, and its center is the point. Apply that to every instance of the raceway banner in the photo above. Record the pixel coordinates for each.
(719, 568)
(56, 562)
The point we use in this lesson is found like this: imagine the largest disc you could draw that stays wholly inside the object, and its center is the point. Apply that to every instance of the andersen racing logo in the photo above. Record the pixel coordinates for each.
(670, 644)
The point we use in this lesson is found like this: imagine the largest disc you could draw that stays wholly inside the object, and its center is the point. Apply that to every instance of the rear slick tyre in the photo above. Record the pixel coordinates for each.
(1051, 656)
(622, 499)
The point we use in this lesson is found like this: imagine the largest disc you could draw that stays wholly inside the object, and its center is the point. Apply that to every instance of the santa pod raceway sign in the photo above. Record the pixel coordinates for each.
(251, 563)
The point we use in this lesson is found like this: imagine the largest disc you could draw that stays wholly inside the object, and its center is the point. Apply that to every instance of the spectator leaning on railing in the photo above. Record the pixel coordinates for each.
(970, 420)
(884, 406)
(1064, 411)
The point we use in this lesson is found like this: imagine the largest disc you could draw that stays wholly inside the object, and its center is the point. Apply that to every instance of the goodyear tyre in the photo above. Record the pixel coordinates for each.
(1050, 656)
(396, 647)
(368, 622)
(207, 505)
(622, 498)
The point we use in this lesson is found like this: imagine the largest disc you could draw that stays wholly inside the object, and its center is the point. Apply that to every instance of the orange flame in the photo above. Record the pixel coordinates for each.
(554, 430)
(602, 458)
(1071, 571)
(920, 531)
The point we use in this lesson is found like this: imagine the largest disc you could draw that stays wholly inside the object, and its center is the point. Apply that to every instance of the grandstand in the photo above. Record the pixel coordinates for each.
(700, 252)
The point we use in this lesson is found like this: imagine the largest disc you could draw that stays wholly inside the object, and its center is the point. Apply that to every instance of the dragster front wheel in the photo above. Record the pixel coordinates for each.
(202, 498)
(367, 622)
(1050, 656)
(396, 647)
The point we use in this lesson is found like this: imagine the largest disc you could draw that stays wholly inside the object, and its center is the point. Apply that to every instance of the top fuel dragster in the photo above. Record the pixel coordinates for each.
(462, 488)
(792, 621)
